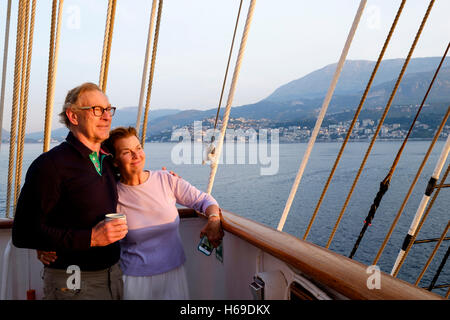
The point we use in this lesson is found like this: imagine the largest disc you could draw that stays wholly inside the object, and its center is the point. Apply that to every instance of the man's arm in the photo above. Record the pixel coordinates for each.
(38, 197)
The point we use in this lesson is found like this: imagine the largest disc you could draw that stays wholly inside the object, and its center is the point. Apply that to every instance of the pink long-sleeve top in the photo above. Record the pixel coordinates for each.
(153, 245)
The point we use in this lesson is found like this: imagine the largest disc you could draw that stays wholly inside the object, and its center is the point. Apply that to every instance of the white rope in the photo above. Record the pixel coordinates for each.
(5, 60)
(146, 66)
(423, 203)
(231, 95)
(321, 115)
(53, 64)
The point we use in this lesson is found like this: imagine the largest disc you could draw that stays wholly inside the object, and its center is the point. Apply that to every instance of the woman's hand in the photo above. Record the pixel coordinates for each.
(213, 229)
(46, 257)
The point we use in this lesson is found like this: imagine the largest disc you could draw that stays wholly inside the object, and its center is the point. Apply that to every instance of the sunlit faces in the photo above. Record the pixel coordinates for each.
(88, 127)
(130, 157)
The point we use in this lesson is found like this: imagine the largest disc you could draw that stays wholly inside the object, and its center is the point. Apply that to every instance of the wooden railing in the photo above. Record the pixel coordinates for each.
(344, 275)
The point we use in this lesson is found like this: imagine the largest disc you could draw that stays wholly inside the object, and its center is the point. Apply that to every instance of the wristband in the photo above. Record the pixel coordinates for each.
(213, 215)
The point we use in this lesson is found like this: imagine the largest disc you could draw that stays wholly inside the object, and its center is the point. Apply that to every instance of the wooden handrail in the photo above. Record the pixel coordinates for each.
(346, 276)
(6, 223)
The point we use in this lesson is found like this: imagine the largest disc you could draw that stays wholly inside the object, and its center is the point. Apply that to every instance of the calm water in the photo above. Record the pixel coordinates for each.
(242, 189)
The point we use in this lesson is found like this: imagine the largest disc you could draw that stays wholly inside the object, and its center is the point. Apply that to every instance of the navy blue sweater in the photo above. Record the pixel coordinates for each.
(62, 199)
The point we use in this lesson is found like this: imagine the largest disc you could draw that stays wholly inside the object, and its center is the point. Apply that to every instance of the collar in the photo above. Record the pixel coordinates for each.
(81, 148)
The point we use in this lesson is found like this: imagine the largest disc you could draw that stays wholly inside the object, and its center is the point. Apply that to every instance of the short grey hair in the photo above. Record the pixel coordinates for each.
(72, 99)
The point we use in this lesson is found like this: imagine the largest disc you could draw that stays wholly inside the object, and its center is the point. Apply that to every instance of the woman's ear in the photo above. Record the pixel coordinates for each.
(72, 116)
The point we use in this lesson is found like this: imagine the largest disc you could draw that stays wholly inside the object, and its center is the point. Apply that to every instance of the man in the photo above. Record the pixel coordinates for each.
(63, 202)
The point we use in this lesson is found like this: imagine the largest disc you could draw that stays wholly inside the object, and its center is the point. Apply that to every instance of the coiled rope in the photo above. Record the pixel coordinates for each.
(5, 64)
(152, 71)
(381, 121)
(145, 69)
(52, 67)
(321, 115)
(419, 171)
(355, 117)
(226, 115)
(384, 185)
(16, 95)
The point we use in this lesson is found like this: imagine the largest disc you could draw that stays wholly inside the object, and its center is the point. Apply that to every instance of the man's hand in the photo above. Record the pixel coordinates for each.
(171, 172)
(107, 232)
(46, 257)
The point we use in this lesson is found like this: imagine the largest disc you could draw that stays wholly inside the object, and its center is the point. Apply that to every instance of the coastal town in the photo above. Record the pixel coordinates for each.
(241, 129)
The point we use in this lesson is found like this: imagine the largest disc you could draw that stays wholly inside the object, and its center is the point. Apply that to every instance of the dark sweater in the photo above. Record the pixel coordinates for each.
(62, 199)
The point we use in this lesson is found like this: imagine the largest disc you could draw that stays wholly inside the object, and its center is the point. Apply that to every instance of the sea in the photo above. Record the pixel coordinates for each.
(258, 190)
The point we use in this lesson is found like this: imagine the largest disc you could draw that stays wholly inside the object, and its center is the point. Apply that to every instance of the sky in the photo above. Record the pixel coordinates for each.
(288, 39)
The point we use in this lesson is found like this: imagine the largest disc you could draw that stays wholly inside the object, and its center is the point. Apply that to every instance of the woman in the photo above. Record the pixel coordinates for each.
(152, 256)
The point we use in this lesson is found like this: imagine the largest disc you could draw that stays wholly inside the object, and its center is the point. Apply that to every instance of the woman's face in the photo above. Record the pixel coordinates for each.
(130, 157)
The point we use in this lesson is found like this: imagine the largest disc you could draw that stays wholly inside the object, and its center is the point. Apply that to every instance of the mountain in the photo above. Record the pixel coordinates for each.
(354, 77)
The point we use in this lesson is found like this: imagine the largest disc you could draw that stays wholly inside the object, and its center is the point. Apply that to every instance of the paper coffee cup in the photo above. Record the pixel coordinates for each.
(112, 216)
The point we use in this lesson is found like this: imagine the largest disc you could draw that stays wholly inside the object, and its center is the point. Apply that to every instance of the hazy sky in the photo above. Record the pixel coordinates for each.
(287, 40)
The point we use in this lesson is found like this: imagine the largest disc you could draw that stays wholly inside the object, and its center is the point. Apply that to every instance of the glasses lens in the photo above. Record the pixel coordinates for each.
(98, 111)
(111, 110)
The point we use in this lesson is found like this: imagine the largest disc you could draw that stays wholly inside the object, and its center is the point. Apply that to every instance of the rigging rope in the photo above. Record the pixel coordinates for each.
(226, 115)
(388, 105)
(16, 93)
(432, 254)
(419, 171)
(439, 270)
(52, 67)
(355, 117)
(384, 185)
(410, 241)
(5, 63)
(321, 115)
(152, 71)
(106, 42)
(145, 69)
(108, 49)
(27, 54)
(211, 148)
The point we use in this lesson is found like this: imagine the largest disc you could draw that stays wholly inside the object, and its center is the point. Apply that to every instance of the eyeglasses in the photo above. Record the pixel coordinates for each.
(98, 111)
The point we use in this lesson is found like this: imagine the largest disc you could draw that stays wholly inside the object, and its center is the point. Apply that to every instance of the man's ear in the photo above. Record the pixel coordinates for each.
(72, 116)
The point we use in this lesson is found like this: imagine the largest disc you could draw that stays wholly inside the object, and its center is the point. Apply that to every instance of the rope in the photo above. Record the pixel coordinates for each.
(410, 241)
(394, 91)
(228, 65)
(152, 71)
(24, 104)
(432, 254)
(105, 43)
(52, 67)
(384, 185)
(5, 64)
(21, 128)
(145, 70)
(358, 110)
(321, 114)
(226, 115)
(108, 49)
(16, 93)
(439, 270)
(419, 171)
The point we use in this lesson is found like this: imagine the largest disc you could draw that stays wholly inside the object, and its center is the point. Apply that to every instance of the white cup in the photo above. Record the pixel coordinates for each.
(112, 216)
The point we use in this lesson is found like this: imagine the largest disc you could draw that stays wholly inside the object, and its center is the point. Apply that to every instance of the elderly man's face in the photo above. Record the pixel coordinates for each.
(94, 129)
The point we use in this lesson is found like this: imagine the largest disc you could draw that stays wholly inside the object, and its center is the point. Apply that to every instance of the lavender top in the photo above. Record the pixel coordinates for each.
(153, 245)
